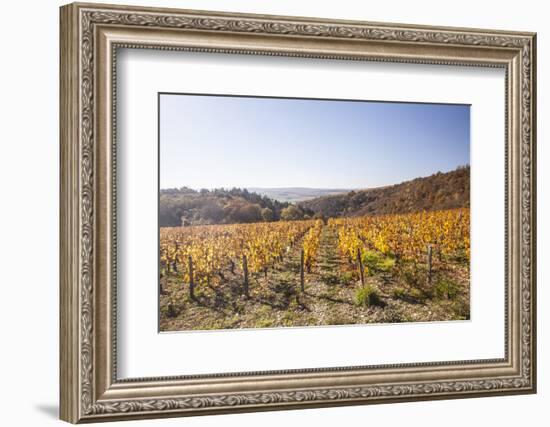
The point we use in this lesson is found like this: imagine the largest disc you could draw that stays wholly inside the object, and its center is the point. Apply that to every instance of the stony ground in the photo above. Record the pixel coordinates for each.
(402, 294)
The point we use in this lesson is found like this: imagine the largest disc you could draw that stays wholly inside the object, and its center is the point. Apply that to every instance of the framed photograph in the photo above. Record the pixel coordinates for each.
(266, 212)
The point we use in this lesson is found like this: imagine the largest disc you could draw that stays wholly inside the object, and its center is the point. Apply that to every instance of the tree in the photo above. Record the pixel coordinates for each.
(250, 213)
(211, 213)
(291, 213)
(267, 214)
(239, 210)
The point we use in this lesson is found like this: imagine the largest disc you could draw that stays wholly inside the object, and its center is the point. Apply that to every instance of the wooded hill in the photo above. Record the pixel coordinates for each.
(185, 206)
(435, 192)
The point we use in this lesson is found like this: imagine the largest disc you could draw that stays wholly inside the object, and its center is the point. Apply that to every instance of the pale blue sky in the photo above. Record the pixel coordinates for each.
(219, 141)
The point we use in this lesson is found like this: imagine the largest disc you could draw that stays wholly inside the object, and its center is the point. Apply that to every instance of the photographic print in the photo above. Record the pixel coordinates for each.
(292, 212)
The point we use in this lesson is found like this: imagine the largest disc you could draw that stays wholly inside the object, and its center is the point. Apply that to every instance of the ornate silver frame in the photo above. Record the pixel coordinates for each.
(90, 36)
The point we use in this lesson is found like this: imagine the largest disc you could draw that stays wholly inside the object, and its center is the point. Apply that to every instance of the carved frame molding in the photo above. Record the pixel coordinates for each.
(90, 36)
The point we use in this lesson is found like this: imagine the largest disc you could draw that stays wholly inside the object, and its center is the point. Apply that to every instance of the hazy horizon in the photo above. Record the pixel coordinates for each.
(310, 188)
(278, 143)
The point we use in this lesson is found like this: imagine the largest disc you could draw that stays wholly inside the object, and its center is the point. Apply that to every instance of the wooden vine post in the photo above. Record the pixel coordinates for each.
(191, 279)
(245, 271)
(429, 264)
(360, 263)
(175, 263)
(161, 283)
(302, 284)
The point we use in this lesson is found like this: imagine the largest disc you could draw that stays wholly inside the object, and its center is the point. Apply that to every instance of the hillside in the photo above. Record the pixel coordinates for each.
(185, 206)
(439, 191)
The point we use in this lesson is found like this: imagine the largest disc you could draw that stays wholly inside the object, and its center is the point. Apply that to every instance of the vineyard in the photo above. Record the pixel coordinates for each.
(346, 270)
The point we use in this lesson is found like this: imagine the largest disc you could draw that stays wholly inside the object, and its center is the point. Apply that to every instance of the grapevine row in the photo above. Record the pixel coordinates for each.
(201, 254)
(311, 244)
(406, 236)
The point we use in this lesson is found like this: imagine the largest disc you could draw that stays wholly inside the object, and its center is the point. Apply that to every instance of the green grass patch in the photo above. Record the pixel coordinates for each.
(386, 264)
(418, 295)
(377, 262)
(367, 296)
(347, 277)
(399, 292)
(446, 288)
(288, 316)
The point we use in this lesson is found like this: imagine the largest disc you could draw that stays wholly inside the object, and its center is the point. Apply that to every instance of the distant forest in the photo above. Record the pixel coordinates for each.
(185, 206)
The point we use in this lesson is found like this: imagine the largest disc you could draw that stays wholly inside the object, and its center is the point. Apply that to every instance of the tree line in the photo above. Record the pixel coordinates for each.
(440, 191)
(185, 206)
